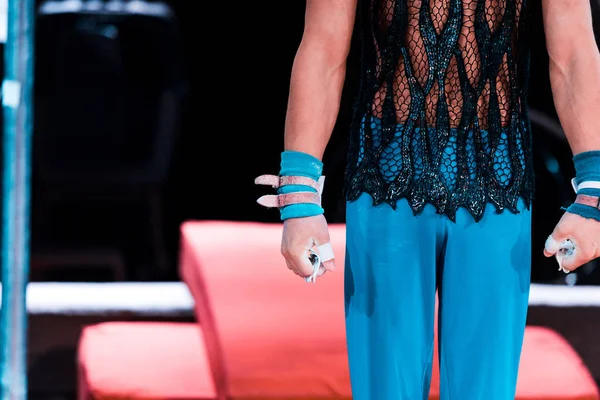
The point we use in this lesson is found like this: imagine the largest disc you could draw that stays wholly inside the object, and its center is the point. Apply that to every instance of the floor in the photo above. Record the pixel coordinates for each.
(56, 320)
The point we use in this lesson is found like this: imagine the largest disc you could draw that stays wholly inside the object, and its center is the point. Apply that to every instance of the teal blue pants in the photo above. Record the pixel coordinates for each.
(396, 262)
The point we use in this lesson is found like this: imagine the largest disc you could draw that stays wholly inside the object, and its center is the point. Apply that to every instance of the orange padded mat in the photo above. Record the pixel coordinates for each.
(270, 335)
(143, 361)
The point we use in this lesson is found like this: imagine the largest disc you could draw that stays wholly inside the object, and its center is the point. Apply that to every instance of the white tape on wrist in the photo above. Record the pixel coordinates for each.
(584, 185)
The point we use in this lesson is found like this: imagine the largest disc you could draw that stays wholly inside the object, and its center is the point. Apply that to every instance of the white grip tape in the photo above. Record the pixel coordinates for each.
(552, 245)
(322, 254)
(325, 252)
(560, 250)
(316, 264)
(567, 249)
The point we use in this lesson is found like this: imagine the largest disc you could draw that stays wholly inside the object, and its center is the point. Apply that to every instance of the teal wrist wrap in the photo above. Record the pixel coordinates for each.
(295, 163)
(587, 167)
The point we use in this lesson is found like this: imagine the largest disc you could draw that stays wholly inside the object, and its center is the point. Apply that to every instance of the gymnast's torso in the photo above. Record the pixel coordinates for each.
(441, 114)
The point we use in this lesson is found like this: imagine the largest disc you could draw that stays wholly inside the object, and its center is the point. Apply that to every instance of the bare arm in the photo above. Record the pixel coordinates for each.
(574, 70)
(318, 75)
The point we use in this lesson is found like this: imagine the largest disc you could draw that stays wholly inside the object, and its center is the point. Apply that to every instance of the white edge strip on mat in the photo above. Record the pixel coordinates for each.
(174, 298)
(564, 296)
(156, 299)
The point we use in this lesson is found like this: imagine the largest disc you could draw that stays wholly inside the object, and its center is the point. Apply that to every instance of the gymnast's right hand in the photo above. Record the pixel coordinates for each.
(299, 236)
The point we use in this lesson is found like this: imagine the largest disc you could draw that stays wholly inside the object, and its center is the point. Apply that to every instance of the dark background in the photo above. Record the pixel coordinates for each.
(101, 203)
(142, 124)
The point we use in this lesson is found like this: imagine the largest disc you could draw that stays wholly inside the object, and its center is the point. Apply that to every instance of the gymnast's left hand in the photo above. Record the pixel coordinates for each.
(300, 235)
(585, 235)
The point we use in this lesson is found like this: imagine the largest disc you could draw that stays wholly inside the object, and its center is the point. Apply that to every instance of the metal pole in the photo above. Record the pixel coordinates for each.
(17, 99)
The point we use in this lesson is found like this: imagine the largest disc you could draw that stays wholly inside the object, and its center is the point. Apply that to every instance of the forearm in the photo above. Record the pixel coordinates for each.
(315, 92)
(576, 88)
(316, 85)
(574, 71)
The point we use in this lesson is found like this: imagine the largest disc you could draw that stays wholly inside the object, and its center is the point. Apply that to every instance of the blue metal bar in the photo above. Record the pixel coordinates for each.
(17, 101)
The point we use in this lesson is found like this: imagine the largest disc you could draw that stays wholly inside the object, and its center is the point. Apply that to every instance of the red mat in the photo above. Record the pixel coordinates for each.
(551, 369)
(274, 335)
(143, 361)
(271, 335)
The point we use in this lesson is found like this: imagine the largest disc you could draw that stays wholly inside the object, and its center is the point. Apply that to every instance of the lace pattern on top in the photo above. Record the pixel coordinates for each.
(441, 114)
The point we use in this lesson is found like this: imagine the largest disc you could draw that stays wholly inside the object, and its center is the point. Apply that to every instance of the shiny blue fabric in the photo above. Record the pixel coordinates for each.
(396, 261)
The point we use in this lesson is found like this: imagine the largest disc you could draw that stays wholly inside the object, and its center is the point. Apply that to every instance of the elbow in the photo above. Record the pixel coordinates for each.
(572, 61)
(559, 68)
(330, 54)
(571, 52)
(562, 56)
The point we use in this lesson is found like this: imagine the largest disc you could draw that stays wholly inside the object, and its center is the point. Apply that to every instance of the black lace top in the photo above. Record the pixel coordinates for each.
(441, 114)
